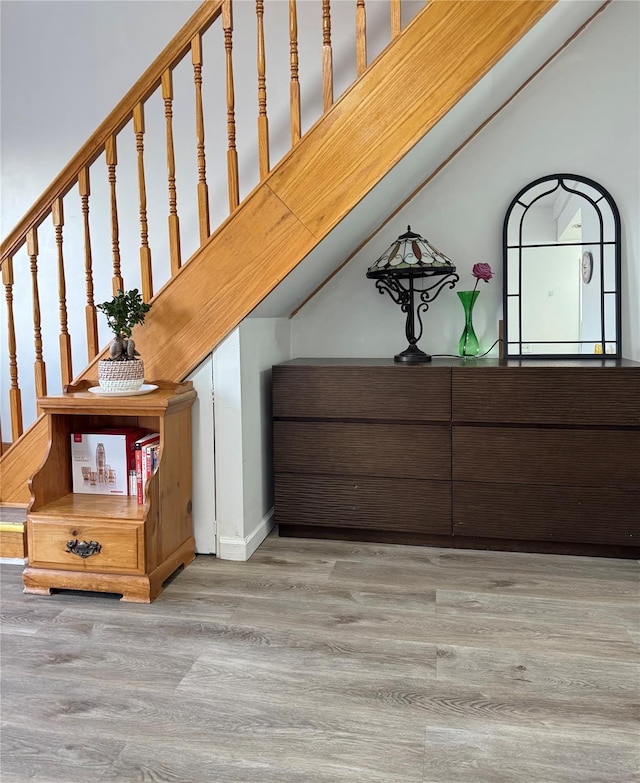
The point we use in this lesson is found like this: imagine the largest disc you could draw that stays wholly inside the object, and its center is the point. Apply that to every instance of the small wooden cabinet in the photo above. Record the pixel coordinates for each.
(486, 454)
(121, 546)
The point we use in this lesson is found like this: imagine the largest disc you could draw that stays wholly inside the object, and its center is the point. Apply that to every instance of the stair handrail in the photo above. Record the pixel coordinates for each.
(150, 80)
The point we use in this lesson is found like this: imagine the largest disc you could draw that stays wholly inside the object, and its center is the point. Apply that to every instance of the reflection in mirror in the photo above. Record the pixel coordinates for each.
(562, 270)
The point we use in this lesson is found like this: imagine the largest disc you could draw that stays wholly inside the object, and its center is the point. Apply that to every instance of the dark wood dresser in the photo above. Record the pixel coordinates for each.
(535, 456)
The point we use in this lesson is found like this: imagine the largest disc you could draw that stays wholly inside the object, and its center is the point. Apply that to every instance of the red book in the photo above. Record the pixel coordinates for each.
(140, 468)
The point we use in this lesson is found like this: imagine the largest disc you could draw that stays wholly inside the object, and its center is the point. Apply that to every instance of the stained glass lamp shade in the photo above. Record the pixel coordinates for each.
(408, 258)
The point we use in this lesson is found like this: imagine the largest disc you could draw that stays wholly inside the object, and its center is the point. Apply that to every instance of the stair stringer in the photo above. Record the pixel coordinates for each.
(448, 47)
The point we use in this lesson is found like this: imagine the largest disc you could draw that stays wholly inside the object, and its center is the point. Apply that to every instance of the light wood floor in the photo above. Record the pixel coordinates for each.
(329, 662)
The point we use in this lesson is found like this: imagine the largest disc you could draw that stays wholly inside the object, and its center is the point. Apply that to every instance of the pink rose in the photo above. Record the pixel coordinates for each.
(482, 272)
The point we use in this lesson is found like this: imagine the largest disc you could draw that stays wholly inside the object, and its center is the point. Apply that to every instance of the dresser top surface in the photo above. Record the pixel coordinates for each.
(444, 362)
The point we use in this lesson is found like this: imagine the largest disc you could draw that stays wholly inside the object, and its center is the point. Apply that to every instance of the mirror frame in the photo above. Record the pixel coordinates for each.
(562, 181)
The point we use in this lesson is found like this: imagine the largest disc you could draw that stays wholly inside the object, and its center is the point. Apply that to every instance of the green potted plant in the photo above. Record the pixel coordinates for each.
(123, 371)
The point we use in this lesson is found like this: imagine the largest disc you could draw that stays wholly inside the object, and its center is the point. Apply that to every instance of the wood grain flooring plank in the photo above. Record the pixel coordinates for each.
(318, 758)
(26, 619)
(29, 755)
(27, 656)
(502, 582)
(516, 755)
(524, 562)
(424, 626)
(526, 756)
(559, 673)
(231, 590)
(297, 550)
(551, 611)
(414, 700)
(66, 708)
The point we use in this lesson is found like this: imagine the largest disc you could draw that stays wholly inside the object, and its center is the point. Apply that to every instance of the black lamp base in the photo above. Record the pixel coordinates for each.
(412, 355)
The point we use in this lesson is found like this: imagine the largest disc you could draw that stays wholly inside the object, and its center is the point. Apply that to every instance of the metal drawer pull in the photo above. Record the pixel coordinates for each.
(82, 549)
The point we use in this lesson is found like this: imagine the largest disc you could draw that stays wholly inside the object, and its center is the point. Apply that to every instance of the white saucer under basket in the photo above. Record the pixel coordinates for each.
(144, 389)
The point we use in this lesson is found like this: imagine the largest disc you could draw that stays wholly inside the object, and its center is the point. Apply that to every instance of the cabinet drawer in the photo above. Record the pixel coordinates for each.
(589, 458)
(419, 451)
(547, 395)
(543, 513)
(121, 545)
(394, 392)
(365, 503)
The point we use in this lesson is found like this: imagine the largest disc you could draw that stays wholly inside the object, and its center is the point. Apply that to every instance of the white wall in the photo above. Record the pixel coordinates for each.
(242, 382)
(203, 493)
(65, 65)
(580, 115)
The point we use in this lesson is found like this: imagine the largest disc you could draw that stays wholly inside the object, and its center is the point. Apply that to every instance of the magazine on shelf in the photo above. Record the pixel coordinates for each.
(101, 460)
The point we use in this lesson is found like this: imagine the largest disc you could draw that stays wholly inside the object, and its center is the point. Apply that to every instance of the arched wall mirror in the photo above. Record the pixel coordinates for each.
(562, 271)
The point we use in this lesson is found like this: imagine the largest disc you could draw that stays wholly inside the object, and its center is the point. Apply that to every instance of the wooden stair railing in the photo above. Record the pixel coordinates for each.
(105, 141)
(452, 45)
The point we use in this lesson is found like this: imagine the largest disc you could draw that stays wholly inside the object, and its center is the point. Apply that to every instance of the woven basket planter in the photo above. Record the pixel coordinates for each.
(120, 376)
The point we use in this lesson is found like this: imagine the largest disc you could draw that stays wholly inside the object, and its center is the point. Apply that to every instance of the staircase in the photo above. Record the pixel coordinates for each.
(393, 103)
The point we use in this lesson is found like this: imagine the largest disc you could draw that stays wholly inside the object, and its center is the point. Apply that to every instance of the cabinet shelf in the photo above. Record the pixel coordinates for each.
(108, 507)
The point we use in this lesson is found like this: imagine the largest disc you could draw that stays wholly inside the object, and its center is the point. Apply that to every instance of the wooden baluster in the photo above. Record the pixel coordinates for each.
(395, 18)
(15, 398)
(232, 154)
(146, 274)
(203, 192)
(263, 123)
(40, 370)
(89, 310)
(361, 38)
(66, 371)
(294, 89)
(327, 56)
(174, 223)
(117, 284)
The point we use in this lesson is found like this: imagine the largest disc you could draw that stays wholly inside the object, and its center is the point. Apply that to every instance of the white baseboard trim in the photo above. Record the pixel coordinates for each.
(13, 561)
(232, 548)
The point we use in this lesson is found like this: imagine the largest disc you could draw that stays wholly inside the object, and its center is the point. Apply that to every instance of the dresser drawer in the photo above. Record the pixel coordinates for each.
(547, 395)
(121, 545)
(523, 455)
(365, 503)
(403, 451)
(394, 392)
(544, 513)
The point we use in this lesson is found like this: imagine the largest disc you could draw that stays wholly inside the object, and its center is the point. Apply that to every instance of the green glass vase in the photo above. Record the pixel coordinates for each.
(468, 344)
